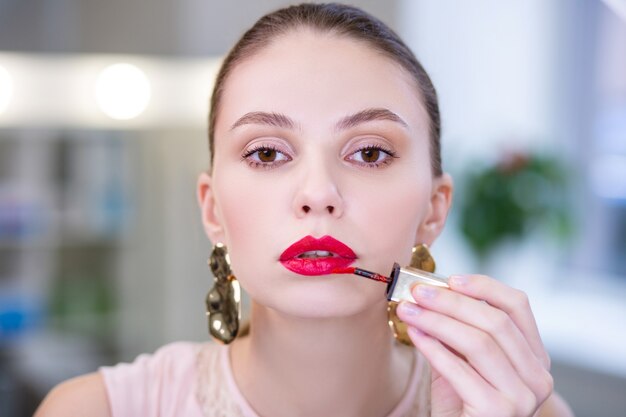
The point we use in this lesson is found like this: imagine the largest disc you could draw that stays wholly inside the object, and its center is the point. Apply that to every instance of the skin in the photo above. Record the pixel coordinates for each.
(487, 357)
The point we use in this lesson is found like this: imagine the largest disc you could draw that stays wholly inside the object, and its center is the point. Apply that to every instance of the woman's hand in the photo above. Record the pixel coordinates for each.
(482, 342)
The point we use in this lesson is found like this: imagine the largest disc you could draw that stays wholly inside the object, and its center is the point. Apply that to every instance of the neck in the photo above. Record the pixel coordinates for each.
(337, 366)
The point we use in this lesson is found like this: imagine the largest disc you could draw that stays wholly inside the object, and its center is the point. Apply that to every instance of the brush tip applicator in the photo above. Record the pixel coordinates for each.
(362, 273)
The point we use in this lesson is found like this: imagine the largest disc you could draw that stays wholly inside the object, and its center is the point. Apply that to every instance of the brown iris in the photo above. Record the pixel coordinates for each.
(370, 155)
(267, 155)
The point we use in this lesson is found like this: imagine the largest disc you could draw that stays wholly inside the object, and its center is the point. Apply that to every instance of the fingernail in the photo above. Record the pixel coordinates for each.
(414, 331)
(458, 280)
(425, 291)
(409, 309)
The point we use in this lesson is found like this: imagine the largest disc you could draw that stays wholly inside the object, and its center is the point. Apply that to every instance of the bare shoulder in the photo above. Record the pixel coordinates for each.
(81, 396)
(555, 406)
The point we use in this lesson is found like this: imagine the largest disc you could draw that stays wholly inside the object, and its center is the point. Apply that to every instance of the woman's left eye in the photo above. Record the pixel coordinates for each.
(372, 156)
(265, 156)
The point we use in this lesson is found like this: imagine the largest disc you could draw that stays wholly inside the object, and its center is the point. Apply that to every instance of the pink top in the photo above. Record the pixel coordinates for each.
(196, 380)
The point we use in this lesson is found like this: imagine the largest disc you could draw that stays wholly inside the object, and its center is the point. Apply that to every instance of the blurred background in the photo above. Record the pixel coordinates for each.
(103, 131)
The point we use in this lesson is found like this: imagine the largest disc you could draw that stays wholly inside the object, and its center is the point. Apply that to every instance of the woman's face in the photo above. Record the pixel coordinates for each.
(319, 135)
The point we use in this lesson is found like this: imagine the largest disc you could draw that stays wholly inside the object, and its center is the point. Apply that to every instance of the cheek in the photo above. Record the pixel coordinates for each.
(388, 217)
(251, 213)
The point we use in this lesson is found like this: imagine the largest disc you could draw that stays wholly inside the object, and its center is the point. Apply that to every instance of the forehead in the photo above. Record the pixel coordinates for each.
(312, 75)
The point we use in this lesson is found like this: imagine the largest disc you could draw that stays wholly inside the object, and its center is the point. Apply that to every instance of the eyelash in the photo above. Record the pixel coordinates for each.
(391, 156)
(265, 165)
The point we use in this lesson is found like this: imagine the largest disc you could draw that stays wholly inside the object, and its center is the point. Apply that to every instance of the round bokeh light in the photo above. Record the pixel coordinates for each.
(122, 91)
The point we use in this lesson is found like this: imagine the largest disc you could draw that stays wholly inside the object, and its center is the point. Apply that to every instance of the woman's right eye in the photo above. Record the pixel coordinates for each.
(265, 156)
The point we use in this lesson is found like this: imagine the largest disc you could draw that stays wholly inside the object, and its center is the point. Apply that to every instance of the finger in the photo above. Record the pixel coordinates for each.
(495, 323)
(474, 391)
(510, 300)
(479, 348)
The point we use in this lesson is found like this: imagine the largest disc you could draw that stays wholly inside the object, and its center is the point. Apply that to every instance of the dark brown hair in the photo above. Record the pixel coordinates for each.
(342, 20)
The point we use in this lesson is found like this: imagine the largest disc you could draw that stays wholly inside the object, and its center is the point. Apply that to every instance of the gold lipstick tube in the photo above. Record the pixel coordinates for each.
(403, 279)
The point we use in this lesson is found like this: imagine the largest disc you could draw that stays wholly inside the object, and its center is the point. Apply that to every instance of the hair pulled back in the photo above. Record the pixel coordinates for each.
(342, 20)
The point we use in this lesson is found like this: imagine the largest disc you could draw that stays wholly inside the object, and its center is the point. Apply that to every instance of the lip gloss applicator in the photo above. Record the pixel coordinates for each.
(400, 280)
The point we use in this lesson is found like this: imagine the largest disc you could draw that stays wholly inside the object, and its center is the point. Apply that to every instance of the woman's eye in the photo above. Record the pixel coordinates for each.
(370, 155)
(265, 156)
(373, 156)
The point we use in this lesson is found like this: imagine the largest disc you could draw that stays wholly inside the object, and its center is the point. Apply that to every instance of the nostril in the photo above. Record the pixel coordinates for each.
(307, 209)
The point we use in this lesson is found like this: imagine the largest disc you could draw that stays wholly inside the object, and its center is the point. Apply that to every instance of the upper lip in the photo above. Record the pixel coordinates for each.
(325, 243)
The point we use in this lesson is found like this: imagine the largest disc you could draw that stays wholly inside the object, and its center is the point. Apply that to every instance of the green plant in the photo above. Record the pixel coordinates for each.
(508, 199)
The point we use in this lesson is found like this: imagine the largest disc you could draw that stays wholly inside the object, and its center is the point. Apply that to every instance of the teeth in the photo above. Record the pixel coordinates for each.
(316, 254)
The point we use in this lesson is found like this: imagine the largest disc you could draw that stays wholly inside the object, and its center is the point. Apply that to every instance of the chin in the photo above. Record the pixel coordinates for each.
(320, 297)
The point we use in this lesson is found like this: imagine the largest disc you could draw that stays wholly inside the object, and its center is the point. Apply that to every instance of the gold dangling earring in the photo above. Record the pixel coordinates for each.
(420, 259)
(223, 301)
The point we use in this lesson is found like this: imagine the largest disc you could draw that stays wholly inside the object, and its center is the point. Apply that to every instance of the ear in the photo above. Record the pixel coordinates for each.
(439, 206)
(211, 219)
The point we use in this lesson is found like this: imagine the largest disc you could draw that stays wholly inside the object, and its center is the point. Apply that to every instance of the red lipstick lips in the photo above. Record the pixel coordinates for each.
(311, 256)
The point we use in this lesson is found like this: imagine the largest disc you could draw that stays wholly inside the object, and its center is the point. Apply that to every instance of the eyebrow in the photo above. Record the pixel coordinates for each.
(369, 115)
(282, 121)
(264, 118)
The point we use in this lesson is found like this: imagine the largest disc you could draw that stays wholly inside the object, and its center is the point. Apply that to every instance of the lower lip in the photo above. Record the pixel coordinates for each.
(316, 266)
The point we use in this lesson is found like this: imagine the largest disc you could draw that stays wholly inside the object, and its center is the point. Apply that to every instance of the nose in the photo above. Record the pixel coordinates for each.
(318, 194)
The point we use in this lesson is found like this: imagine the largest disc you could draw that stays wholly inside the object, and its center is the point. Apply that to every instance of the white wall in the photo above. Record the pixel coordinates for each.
(492, 63)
